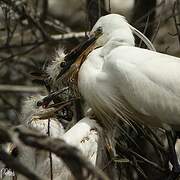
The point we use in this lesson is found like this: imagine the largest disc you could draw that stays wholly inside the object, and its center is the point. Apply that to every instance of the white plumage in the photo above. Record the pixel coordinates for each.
(118, 79)
(84, 135)
(54, 68)
(34, 116)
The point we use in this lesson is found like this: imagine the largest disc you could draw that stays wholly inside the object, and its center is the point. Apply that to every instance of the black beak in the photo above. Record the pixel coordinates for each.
(71, 57)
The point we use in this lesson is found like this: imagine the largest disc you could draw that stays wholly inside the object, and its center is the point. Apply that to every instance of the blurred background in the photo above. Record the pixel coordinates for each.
(31, 31)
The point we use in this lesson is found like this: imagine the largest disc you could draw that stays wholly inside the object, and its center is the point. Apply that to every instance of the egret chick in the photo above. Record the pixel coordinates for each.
(85, 135)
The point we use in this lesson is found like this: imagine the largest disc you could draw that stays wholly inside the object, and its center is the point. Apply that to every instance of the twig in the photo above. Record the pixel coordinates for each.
(19, 88)
(21, 53)
(175, 21)
(68, 36)
(21, 11)
(78, 165)
(145, 29)
(50, 154)
(129, 153)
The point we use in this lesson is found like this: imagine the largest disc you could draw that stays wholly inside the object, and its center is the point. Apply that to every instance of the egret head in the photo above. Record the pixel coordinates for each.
(113, 26)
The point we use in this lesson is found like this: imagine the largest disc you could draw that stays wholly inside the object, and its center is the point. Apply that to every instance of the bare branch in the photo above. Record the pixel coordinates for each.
(78, 165)
(19, 88)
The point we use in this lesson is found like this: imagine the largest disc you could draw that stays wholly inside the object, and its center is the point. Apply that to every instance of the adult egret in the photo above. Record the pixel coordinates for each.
(118, 79)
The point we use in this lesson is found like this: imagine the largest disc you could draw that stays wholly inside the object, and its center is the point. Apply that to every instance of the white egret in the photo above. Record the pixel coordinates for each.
(85, 135)
(118, 79)
(41, 120)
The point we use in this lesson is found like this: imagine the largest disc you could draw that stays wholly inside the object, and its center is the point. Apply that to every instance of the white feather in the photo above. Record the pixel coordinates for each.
(120, 80)
(84, 135)
(54, 68)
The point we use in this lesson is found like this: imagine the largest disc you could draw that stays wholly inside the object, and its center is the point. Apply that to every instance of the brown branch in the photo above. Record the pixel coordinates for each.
(20, 88)
(71, 156)
(129, 153)
(21, 11)
(175, 7)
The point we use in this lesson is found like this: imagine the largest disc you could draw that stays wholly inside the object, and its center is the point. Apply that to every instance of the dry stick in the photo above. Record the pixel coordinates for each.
(20, 88)
(156, 31)
(149, 12)
(138, 168)
(157, 147)
(129, 152)
(57, 27)
(68, 36)
(158, 25)
(175, 21)
(50, 154)
(5, 60)
(22, 13)
(145, 29)
(70, 155)
(57, 37)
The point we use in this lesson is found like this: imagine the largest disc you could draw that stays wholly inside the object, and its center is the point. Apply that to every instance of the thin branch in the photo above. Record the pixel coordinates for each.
(129, 152)
(175, 21)
(71, 156)
(18, 88)
(68, 36)
(50, 154)
(21, 11)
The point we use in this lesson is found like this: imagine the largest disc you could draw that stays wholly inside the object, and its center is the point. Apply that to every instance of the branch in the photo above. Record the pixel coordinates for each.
(71, 156)
(21, 11)
(129, 153)
(19, 88)
(144, 10)
(68, 36)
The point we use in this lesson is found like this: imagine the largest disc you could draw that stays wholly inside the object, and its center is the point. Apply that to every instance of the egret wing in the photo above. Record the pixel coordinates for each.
(149, 81)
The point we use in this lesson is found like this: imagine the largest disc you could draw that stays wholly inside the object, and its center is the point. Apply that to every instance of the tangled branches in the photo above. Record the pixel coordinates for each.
(69, 154)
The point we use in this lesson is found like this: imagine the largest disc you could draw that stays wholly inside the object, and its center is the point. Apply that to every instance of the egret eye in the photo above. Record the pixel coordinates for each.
(99, 30)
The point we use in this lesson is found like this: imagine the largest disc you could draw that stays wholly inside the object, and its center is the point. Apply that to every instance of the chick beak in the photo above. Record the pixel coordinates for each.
(82, 50)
